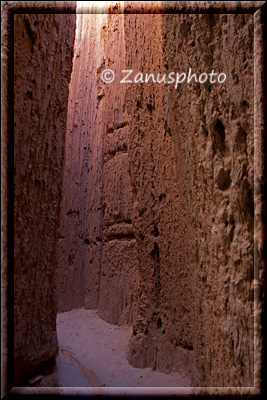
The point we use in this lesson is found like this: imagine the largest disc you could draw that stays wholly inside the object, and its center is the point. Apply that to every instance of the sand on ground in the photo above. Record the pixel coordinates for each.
(92, 353)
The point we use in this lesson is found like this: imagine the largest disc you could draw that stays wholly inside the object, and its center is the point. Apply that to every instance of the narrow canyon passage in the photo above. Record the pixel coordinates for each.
(150, 221)
(121, 231)
(134, 203)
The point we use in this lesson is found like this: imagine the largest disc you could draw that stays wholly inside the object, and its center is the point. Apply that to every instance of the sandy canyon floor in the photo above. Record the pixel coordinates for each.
(93, 355)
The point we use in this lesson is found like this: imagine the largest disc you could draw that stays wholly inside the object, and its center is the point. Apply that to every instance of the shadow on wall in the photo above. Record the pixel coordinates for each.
(43, 51)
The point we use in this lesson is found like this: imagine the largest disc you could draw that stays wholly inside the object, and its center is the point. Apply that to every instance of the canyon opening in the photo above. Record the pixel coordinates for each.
(135, 220)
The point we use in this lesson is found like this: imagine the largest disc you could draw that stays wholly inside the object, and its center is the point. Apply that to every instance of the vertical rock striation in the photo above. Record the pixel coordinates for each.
(97, 246)
(163, 329)
(80, 244)
(119, 274)
(43, 48)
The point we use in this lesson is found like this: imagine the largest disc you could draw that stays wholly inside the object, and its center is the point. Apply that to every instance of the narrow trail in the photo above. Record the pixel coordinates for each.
(92, 354)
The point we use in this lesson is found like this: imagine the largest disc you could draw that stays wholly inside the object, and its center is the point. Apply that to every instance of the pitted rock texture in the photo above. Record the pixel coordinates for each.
(163, 330)
(213, 127)
(43, 49)
(119, 266)
(201, 299)
(97, 247)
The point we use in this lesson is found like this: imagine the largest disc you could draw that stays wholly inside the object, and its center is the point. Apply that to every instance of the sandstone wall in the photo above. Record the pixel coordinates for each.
(119, 273)
(97, 247)
(214, 129)
(43, 49)
(80, 244)
(163, 330)
(201, 137)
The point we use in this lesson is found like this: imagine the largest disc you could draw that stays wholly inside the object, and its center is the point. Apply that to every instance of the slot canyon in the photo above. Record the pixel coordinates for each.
(138, 202)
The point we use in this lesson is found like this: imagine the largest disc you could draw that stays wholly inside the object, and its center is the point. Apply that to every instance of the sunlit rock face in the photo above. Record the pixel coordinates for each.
(43, 50)
(97, 247)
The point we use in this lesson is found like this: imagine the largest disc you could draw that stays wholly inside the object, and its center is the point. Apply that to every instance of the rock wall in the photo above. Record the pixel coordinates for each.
(97, 247)
(119, 272)
(43, 50)
(163, 330)
(214, 130)
(80, 244)
(157, 217)
(192, 169)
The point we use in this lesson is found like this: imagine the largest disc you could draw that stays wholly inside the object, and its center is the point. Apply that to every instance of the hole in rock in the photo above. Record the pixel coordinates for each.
(219, 136)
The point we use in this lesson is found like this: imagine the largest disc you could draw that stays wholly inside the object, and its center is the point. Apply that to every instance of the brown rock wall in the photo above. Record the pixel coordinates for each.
(80, 246)
(43, 48)
(217, 147)
(118, 269)
(163, 330)
(97, 199)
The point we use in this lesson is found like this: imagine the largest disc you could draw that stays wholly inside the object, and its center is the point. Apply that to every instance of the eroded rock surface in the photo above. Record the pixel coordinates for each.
(80, 244)
(43, 49)
(213, 127)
